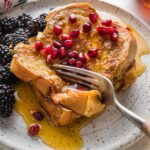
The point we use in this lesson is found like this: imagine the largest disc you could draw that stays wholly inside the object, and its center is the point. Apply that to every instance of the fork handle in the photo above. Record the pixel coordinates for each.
(136, 119)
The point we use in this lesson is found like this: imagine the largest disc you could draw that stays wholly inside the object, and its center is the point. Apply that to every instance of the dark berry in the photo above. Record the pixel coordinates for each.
(8, 24)
(6, 76)
(5, 55)
(23, 19)
(7, 100)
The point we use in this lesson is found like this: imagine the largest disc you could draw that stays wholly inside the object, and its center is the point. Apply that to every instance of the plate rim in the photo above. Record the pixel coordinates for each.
(10, 145)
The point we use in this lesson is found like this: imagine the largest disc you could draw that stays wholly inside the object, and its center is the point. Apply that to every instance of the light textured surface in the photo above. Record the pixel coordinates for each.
(111, 127)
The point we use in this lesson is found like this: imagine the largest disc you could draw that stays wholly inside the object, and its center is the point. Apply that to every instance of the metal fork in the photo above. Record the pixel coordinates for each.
(103, 84)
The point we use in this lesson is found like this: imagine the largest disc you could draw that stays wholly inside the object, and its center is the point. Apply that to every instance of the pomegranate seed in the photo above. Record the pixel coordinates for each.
(93, 17)
(75, 33)
(63, 52)
(74, 54)
(55, 53)
(38, 45)
(48, 50)
(101, 30)
(82, 57)
(33, 129)
(72, 18)
(114, 37)
(93, 53)
(38, 115)
(107, 22)
(109, 30)
(49, 58)
(68, 43)
(65, 37)
(57, 30)
(87, 27)
(79, 64)
(72, 61)
(56, 44)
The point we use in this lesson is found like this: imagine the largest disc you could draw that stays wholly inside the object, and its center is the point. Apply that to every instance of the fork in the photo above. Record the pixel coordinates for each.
(99, 82)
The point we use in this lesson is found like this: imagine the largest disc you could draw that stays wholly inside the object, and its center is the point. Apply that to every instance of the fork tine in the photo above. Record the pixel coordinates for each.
(103, 82)
(79, 77)
(82, 83)
(78, 70)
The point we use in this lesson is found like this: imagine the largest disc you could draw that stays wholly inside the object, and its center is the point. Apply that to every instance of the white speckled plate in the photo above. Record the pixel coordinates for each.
(111, 131)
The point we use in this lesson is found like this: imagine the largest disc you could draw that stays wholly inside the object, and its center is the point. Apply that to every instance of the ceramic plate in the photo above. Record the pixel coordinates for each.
(111, 131)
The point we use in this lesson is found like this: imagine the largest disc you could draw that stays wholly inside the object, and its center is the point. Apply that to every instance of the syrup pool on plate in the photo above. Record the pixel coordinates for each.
(61, 138)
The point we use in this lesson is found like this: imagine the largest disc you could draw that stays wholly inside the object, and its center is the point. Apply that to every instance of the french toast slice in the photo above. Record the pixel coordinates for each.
(59, 115)
(85, 103)
(30, 67)
(114, 60)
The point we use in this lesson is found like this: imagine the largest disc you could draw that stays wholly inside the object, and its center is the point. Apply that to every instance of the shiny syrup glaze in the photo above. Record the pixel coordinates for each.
(64, 138)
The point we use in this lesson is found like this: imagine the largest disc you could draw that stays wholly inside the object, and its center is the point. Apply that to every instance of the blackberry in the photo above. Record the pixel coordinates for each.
(7, 100)
(33, 26)
(5, 55)
(27, 32)
(42, 21)
(7, 39)
(24, 18)
(8, 24)
(6, 76)
(18, 36)
(20, 24)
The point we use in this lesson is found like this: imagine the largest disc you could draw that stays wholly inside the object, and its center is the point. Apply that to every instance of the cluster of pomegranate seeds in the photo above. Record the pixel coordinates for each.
(72, 18)
(107, 22)
(92, 53)
(75, 33)
(111, 31)
(93, 17)
(38, 115)
(87, 27)
(38, 45)
(33, 129)
(61, 48)
(57, 30)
